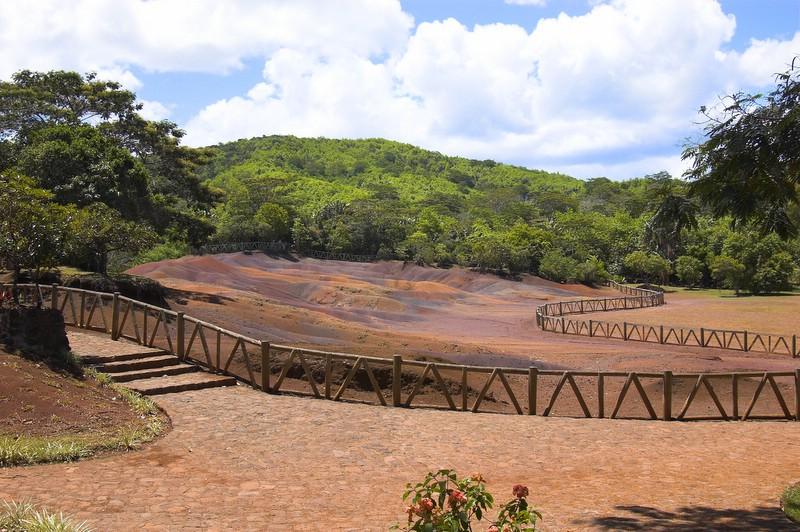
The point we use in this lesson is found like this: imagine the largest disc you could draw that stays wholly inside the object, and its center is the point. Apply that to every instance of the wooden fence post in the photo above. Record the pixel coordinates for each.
(328, 375)
(702, 337)
(661, 335)
(591, 333)
(397, 375)
(624, 330)
(735, 395)
(601, 395)
(533, 378)
(54, 297)
(794, 346)
(81, 323)
(266, 368)
(746, 347)
(464, 389)
(563, 326)
(560, 308)
(667, 396)
(115, 332)
(797, 395)
(181, 334)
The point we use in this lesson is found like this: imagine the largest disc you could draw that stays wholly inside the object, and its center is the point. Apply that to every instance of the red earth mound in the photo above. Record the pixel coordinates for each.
(390, 307)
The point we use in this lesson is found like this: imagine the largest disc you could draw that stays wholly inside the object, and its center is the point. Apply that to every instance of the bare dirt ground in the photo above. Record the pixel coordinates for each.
(387, 308)
(37, 401)
(238, 459)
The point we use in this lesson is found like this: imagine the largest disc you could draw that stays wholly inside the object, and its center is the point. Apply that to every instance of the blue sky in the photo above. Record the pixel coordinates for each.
(586, 87)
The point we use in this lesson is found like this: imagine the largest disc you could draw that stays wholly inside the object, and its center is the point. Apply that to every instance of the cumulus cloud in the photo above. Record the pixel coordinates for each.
(611, 92)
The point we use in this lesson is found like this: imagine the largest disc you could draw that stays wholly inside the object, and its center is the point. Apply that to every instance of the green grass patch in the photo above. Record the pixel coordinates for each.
(29, 450)
(790, 502)
(26, 517)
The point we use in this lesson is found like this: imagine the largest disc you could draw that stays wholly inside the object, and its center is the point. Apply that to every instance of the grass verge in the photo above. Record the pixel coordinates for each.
(28, 450)
(790, 502)
(25, 517)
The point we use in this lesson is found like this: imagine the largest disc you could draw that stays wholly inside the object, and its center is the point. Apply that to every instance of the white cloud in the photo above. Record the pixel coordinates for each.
(596, 94)
(153, 110)
(189, 35)
(539, 3)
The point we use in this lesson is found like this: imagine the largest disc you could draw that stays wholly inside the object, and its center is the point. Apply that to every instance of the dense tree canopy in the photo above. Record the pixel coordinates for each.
(748, 167)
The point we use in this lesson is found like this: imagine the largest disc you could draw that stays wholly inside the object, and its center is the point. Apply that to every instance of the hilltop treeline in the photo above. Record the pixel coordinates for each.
(110, 189)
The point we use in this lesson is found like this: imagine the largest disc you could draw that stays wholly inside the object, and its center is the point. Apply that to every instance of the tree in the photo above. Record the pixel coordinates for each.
(727, 271)
(663, 231)
(689, 270)
(98, 230)
(84, 140)
(748, 167)
(649, 266)
(33, 229)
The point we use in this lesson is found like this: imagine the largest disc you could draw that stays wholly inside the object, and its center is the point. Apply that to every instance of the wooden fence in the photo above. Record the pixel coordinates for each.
(279, 247)
(411, 383)
(233, 247)
(551, 317)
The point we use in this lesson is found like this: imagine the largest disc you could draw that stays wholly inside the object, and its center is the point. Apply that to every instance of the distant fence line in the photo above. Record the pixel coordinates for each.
(551, 317)
(279, 247)
(399, 382)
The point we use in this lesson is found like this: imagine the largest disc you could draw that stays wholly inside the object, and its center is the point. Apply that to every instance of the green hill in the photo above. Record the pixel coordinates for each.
(308, 173)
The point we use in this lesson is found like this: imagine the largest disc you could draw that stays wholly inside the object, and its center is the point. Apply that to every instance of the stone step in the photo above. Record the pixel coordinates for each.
(180, 383)
(180, 369)
(158, 361)
(104, 359)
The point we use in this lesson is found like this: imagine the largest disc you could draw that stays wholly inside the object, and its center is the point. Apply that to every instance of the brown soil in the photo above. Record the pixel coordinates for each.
(455, 315)
(37, 401)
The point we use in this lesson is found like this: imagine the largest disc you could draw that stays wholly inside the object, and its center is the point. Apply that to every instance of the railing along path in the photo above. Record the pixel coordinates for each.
(552, 317)
(408, 383)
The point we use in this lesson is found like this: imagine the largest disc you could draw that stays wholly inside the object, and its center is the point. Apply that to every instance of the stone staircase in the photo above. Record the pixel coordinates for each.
(151, 371)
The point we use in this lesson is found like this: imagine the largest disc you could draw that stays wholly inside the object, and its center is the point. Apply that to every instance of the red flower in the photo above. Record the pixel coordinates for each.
(493, 528)
(520, 491)
(456, 497)
(426, 504)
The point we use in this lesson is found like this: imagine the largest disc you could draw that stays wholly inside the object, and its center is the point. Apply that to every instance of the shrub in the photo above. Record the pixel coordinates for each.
(591, 271)
(790, 502)
(689, 270)
(25, 517)
(443, 502)
(558, 267)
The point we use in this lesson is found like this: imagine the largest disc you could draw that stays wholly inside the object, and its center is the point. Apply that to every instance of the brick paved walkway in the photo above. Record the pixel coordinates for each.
(240, 459)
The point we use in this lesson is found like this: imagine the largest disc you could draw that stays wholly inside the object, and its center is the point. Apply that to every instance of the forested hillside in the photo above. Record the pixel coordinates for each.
(394, 200)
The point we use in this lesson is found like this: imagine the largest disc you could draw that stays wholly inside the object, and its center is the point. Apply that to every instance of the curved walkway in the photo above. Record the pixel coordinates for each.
(244, 460)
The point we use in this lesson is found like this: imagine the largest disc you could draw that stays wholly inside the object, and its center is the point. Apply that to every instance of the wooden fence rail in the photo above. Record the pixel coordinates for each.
(279, 247)
(551, 317)
(398, 382)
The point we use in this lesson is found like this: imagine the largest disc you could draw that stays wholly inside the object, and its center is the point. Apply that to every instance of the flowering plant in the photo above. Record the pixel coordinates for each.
(443, 502)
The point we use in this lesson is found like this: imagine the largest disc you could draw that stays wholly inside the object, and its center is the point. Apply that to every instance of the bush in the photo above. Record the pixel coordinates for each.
(648, 266)
(591, 271)
(25, 517)
(727, 271)
(443, 502)
(689, 270)
(790, 502)
(558, 267)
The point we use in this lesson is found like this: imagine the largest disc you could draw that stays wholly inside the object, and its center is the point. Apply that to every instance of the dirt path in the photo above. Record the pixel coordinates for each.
(241, 459)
